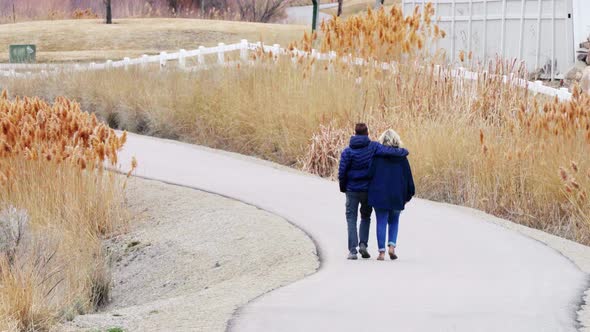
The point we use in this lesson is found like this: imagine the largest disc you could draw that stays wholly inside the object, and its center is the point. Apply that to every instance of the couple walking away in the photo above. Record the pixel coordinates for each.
(374, 175)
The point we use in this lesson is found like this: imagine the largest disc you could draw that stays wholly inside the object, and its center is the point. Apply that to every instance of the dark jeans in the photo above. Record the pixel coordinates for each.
(353, 199)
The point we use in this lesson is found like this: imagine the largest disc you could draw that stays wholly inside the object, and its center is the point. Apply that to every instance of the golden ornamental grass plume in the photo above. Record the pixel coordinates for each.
(379, 34)
(61, 132)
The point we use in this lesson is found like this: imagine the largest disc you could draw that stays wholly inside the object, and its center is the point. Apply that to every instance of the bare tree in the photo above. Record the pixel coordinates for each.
(109, 11)
(339, 8)
(176, 7)
(261, 10)
(173, 6)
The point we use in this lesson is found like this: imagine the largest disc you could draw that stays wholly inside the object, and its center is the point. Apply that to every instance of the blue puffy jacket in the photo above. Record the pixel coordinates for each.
(355, 162)
(392, 184)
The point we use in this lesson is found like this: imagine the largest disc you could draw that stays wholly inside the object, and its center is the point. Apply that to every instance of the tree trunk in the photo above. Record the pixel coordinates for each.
(173, 7)
(339, 7)
(109, 12)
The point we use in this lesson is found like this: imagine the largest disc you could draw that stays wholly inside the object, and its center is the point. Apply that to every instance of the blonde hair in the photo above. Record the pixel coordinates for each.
(391, 138)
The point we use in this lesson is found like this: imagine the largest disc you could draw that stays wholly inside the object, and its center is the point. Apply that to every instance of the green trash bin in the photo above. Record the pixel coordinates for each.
(22, 53)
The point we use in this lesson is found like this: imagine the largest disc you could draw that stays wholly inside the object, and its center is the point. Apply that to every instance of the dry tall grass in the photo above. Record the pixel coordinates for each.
(483, 143)
(57, 204)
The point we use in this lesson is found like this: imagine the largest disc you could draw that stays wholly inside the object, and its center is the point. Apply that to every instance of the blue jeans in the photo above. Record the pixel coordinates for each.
(353, 200)
(387, 218)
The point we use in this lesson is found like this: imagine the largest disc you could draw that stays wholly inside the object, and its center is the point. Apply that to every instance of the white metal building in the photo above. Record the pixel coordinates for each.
(541, 32)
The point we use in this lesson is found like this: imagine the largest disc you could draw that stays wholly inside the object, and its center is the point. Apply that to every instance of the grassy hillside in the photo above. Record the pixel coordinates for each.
(91, 40)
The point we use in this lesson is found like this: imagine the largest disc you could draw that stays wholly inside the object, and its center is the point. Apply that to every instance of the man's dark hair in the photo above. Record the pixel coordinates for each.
(361, 129)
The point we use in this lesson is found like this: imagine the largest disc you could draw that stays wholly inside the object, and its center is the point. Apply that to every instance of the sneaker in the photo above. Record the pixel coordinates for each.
(381, 256)
(352, 256)
(363, 251)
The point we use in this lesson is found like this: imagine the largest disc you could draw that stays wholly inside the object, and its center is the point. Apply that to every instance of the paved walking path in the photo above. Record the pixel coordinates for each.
(456, 272)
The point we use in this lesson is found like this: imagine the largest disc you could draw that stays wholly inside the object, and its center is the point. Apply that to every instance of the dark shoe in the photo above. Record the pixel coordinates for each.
(363, 251)
(392, 254)
(352, 256)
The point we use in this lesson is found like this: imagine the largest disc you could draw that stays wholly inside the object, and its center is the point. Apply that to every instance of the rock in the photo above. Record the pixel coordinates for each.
(583, 55)
(575, 74)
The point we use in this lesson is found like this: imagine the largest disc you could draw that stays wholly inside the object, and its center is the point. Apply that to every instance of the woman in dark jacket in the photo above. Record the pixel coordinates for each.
(391, 187)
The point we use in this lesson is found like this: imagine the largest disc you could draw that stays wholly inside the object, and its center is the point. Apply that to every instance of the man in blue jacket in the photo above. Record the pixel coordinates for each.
(353, 176)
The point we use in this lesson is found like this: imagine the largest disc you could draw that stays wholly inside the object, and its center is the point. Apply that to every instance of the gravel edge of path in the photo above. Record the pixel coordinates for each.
(153, 292)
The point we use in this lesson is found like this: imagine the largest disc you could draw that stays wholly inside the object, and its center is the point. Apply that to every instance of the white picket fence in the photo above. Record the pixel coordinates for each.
(244, 47)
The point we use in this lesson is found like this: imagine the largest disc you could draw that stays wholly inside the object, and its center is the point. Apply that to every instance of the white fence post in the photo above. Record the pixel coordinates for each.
(244, 49)
(91, 66)
(109, 64)
(314, 54)
(182, 58)
(294, 56)
(200, 56)
(126, 62)
(221, 53)
(538, 85)
(163, 59)
(276, 51)
(564, 94)
(260, 47)
(144, 60)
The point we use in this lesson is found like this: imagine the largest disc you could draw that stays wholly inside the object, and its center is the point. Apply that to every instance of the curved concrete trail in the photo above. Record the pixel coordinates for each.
(455, 272)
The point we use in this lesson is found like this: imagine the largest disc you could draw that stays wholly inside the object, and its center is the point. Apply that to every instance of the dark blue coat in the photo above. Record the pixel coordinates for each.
(355, 162)
(392, 185)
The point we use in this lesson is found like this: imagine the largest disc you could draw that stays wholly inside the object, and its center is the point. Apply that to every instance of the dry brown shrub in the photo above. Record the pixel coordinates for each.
(324, 151)
(84, 14)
